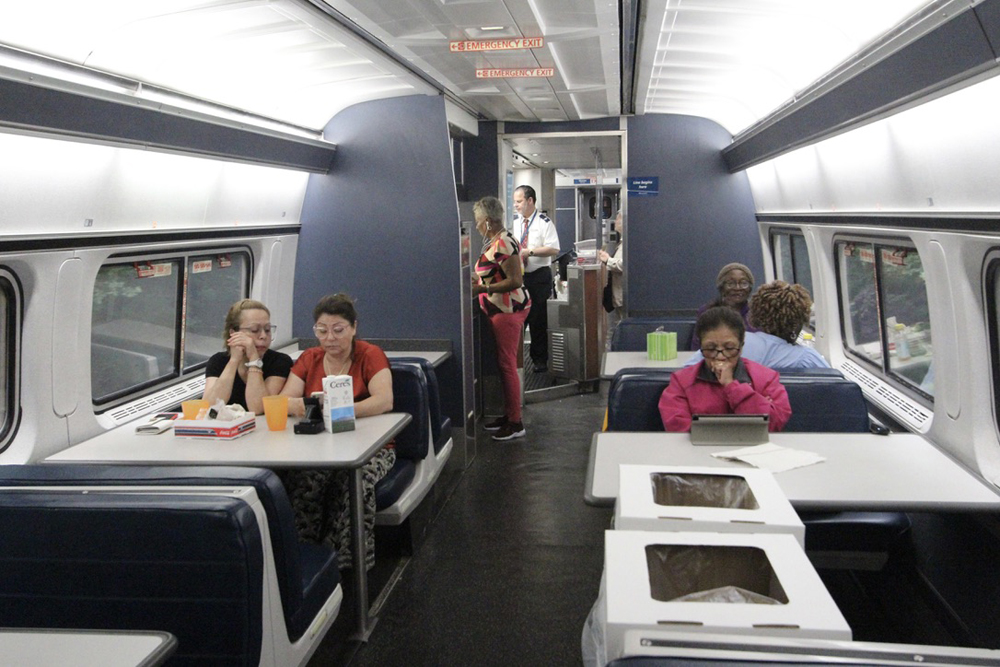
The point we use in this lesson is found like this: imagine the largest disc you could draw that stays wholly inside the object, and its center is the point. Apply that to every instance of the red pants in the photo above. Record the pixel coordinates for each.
(507, 329)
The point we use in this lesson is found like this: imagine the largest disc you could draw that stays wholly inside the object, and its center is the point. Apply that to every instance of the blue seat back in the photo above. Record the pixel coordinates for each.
(826, 405)
(630, 334)
(633, 401)
(809, 373)
(186, 564)
(819, 404)
(440, 425)
(410, 394)
(270, 491)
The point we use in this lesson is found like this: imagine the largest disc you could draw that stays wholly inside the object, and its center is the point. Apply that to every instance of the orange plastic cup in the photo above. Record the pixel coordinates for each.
(276, 412)
(193, 407)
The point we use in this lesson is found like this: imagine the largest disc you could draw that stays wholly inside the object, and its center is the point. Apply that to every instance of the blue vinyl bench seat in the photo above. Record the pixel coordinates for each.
(440, 424)
(192, 566)
(406, 484)
(167, 540)
(422, 448)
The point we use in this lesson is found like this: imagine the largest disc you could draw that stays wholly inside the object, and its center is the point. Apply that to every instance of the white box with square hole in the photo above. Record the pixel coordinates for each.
(725, 583)
(723, 500)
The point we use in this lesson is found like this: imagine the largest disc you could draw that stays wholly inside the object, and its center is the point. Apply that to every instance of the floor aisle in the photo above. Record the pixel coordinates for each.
(511, 565)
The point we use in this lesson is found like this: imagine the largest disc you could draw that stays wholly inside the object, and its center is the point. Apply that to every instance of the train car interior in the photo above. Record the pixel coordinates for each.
(161, 161)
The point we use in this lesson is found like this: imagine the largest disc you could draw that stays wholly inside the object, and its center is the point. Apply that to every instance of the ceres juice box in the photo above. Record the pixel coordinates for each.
(338, 405)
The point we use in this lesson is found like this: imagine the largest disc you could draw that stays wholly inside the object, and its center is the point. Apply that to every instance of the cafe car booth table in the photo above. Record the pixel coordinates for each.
(265, 449)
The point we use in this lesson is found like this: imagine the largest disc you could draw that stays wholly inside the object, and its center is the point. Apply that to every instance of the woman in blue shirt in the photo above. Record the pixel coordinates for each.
(778, 311)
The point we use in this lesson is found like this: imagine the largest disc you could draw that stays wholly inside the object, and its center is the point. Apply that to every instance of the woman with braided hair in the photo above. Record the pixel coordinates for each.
(778, 311)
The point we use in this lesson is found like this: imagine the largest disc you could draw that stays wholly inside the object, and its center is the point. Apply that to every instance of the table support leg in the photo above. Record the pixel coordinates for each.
(365, 623)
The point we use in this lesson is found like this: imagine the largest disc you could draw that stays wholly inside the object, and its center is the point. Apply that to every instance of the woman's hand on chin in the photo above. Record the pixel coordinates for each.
(241, 346)
(723, 369)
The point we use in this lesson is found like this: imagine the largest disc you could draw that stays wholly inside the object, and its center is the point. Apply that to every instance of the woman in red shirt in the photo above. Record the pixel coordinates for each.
(320, 497)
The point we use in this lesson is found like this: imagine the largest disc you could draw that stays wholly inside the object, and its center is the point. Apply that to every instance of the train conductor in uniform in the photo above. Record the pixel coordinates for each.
(539, 244)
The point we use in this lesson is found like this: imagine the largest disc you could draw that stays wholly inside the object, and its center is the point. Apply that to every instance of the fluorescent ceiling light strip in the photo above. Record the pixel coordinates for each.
(30, 66)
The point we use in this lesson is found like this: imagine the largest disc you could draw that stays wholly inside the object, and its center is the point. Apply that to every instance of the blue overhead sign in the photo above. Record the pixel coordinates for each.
(583, 181)
(643, 186)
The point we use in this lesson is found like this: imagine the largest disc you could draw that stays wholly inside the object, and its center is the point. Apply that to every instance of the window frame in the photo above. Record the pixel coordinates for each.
(11, 289)
(773, 236)
(180, 370)
(991, 275)
(882, 369)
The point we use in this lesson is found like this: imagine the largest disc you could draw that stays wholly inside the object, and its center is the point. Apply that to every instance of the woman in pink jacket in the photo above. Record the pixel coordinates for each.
(723, 383)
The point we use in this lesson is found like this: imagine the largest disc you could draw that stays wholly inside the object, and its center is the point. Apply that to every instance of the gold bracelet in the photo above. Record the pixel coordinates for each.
(254, 368)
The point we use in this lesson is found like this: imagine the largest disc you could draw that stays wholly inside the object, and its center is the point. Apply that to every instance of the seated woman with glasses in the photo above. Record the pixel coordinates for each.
(735, 283)
(723, 382)
(320, 497)
(248, 370)
(779, 311)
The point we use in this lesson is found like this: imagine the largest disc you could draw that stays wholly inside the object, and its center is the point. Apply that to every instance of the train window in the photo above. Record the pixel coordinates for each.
(605, 208)
(153, 319)
(791, 261)
(800, 262)
(135, 317)
(781, 248)
(906, 321)
(9, 340)
(885, 312)
(993, 311)
(860, 306)
(214, 283)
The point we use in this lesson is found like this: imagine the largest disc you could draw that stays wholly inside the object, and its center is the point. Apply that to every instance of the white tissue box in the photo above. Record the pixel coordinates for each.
(720, 500)
(215, 429)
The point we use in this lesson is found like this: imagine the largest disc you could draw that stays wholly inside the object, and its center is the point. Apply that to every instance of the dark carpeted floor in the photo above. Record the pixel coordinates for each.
(509, 568)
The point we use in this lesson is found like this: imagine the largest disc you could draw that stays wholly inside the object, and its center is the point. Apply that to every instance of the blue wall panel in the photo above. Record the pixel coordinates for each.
(482, 163)
(702, 218)
(383, 226)
(565, 218)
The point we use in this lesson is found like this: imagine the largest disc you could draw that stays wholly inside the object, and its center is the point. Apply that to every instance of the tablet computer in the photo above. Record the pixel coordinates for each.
(729, 429)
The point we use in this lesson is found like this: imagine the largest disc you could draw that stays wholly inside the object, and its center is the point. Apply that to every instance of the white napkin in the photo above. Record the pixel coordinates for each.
(770, 456)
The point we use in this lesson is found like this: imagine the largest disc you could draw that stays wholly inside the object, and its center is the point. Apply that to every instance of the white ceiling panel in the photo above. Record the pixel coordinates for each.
(580, 152)
(735, 61)
(581, 44)
(268, 57)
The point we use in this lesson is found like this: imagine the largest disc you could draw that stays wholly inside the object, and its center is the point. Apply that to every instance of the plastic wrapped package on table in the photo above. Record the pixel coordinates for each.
(661, 345)
(679, 498)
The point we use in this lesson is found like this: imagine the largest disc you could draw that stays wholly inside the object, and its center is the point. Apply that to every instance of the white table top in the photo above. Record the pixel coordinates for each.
(99, 648)
(261, 447)
(436, 357)
(615, 361)
(863, 471)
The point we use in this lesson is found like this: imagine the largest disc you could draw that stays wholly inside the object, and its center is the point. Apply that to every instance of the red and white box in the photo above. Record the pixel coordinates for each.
(214, 429)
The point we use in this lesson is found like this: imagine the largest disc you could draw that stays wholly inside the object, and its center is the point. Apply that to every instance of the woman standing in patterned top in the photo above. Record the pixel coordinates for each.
(498, 282)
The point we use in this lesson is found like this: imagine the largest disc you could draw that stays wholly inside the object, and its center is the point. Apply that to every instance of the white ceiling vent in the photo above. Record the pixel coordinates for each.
(899, 405)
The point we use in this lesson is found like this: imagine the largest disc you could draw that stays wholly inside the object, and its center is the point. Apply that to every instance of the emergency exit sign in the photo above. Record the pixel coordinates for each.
(472, 45)
(514, 72)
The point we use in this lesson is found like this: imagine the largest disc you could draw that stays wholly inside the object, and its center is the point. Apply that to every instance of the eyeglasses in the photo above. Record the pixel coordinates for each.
(732, 284)
(256, 331)
(336, 332)
(714, 352)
